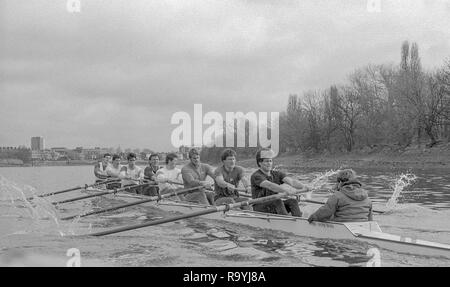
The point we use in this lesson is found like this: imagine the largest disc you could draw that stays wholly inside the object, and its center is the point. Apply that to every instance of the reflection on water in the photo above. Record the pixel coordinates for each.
(423, 209)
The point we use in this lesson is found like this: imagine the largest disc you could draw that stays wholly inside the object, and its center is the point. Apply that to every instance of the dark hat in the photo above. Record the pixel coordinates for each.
(346, 175)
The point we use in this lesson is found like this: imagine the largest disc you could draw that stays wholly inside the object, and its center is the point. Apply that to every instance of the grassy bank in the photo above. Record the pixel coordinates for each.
(437, 157)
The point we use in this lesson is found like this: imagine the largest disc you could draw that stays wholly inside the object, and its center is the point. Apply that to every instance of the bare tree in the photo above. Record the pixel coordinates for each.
(313, 117)
(350, 110)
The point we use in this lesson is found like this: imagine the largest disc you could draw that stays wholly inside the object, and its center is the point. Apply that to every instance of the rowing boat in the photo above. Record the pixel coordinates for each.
(369, 232)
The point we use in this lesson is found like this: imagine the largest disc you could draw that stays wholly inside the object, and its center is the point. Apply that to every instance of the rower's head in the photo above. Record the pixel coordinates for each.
(345, 175)
(106, 158)
(153, 159)
(131, 157)
(116, 160)
(194, 156)
(264, 159)
(228, 158)
(171, 160)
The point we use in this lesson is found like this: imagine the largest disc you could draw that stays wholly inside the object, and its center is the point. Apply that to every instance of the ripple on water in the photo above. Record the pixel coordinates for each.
(179, 244)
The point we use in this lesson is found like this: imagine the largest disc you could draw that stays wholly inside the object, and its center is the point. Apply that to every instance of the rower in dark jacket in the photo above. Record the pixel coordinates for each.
(350, 202)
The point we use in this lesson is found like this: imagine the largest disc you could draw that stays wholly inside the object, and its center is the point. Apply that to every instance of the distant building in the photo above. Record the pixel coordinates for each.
(7, 148)
(36, 155)
(93, 153)
(60, 150)
(37, 143)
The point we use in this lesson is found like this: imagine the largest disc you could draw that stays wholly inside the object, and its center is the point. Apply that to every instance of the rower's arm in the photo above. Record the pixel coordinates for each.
(179, 177)
(273, 187)
(96, 169)
(101, 176)
(295, 183)
(151, 178)
(109, 173)
(246, 184)
(160, 177)
(98, 173)
(123, 173)
(141, 174)
(210, 172)
(222, 183)
(189, 179)
(326, 211)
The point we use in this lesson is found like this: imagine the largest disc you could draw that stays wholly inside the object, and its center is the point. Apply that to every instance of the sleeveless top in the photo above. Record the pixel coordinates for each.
(102, 169)
(135, 174)
(112, 171)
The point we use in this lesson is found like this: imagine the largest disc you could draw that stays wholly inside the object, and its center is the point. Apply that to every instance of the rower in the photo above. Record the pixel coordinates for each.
(150, 174)
(113, 171)
(349, 203)
(101, 166)
(194, 174)
(267, 181)
(131, 174)
(169, 177)
(227, 178)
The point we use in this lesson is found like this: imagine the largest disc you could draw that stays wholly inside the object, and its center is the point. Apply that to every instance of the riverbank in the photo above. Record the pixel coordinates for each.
(413, 157)
(71, 163)
(437, 157)
(12, 163)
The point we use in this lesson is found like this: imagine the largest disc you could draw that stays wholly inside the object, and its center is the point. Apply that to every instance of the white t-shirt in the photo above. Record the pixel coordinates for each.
(171, 175)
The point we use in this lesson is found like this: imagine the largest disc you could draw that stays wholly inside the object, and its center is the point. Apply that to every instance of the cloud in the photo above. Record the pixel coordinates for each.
(128, 66)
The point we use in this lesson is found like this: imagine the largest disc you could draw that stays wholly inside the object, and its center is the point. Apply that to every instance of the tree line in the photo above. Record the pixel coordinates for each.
(380, 105)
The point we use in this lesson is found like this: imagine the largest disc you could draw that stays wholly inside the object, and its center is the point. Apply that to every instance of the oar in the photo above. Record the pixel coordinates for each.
(213, 209)
(74, 188)
(151, 198)
(101, 193)
(174, 182)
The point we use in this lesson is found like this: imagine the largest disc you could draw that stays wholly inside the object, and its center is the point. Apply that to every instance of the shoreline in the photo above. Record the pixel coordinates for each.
(75, 163)
(301, 161)
(413, 157)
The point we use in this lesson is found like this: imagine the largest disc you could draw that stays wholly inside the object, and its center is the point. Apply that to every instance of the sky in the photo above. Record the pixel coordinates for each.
(115, 72)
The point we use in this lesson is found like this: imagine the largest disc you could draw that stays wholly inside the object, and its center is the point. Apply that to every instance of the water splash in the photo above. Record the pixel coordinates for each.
(399, 185)
(37, 210)
(319, 182)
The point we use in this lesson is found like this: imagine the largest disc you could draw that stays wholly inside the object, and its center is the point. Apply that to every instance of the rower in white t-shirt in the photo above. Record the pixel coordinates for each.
(131, 174)
(169, 177)
(113, 170)
(101, 166)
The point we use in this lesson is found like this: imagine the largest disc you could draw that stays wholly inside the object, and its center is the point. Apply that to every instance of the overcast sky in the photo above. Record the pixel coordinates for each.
(116, 72)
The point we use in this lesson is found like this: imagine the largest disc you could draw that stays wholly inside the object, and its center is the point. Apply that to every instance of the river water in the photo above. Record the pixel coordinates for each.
(32, 235)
